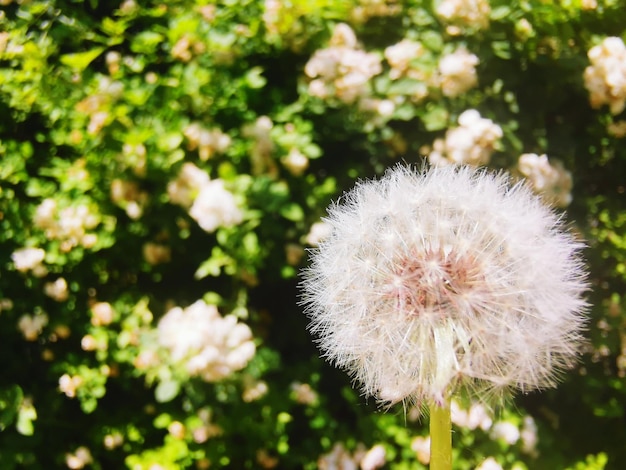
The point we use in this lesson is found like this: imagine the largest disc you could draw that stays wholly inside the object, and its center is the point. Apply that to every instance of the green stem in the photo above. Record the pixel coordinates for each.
(440, 437)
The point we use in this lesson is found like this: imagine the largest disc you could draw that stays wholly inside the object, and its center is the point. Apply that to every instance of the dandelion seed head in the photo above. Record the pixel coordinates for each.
(448, 279)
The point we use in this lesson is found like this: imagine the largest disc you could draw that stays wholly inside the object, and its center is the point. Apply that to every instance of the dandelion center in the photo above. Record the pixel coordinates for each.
(431, 282)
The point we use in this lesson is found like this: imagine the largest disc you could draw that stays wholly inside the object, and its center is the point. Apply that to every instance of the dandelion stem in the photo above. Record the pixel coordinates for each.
(440, 436)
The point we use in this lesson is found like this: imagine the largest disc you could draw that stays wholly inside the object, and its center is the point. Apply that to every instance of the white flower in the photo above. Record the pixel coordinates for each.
(260, 133)
(69, 384)
(296, 162)
(475, 417)
(111, 441)
(31, 326)
(318, 232)
(506, 431)
(27, 259)
(69, 225)
(400, 55)
(57, 290)
(471, 143)
(45, 214)
(342, 70)
(215, 207)
(78, 459)
(551, 181)
(253, 389)
(208, 142)
(438, 280)
(374, 458)
(467, 13)
(457, 72)
(102, 313)
(128, 196)
(617, 129)
(421, 446)
(489, 464)
(205, 343)
(588, 4)
(605, 78)
(343, 36)
(303, 393)
(529, 436)
(184, 189)
(339, 458)
(155, 253)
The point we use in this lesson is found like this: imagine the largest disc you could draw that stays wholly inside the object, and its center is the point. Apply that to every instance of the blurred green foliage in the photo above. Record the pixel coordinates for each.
(102, 104)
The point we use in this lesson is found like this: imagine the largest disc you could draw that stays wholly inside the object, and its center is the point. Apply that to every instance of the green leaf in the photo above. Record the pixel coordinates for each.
(10, 400)
(435, 118)
(501, 49)
(146, 42)
(25, 417)
(213, 266)
(166, 391)
(501, 12)
(80, 60)
(293, 212)
(254, 79)
(114, 28)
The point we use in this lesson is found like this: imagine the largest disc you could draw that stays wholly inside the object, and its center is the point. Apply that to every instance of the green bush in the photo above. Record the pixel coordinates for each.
(165, 165)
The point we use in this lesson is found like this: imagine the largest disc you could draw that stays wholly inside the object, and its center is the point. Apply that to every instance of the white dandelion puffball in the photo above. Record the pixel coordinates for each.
(443, 280)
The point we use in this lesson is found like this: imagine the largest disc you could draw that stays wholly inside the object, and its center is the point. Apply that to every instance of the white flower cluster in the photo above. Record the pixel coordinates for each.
(605, 78)
(57, 290)
(97, 106)
(205, 343)
(550, 180)
(30, 259)
(617, 129)
(128, 196)
(69, 384)
(318, 232)
(303, 393)
(473, 14)
(262, 145)
(31, 326)
(156, 253)
(4, 41)
(446, 279)
(457, 72)
(489, 464)
(102, 314)
(366, 9)
(135, 157)
(400, 57)
(341, 458)
(342, 70)
(272, 16)
(589, 4)
(5, 304)
(208, 142)
(476, 416)
(70, 225)
(184, 189)
(421, 446)
(472, 143)
(215, 207)
(253, 389)
(79, 459)
(208, 201)
(296, 162)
